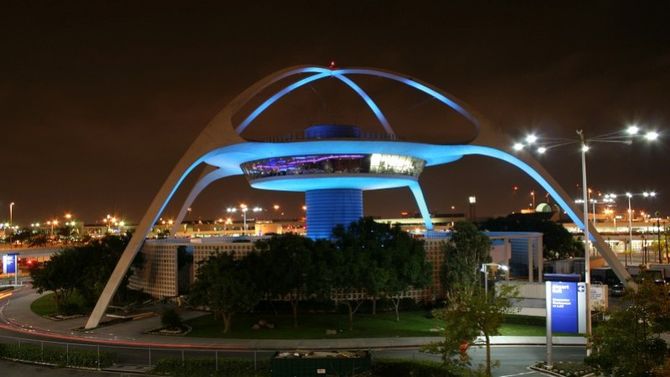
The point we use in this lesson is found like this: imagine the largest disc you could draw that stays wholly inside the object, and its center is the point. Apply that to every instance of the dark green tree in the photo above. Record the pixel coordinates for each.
(628, 343)
(59, 275)
(557, 242)
(289, 269)
(226, 286)
(465, 252)
(84, 268)
(407, 266)
(364, 244)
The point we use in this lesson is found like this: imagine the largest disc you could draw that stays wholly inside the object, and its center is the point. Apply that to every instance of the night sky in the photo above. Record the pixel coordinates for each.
(98, 100)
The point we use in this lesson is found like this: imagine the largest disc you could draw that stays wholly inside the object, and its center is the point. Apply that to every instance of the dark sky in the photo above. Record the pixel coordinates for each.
(98, 100)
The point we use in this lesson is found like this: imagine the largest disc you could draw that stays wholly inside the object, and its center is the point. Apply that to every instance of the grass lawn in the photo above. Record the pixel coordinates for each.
(314, 326)
(45, 305)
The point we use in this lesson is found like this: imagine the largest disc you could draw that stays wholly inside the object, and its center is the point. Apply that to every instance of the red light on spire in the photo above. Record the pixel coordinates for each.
(515, 188)
(332, 64)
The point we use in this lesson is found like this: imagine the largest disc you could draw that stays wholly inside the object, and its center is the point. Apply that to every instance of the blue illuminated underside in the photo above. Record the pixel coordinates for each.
(229, 159)
(302, 184)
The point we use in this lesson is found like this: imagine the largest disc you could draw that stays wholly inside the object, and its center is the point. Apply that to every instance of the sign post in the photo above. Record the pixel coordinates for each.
(547, 290)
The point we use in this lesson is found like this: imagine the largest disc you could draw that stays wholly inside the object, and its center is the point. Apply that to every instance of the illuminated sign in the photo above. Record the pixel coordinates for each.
(564, 307)
(9, 263)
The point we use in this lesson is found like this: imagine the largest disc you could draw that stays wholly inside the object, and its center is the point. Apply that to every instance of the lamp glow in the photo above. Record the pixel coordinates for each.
(530, 139)
(518, 146)
(651, 135)
(541, 150)
(632, 130)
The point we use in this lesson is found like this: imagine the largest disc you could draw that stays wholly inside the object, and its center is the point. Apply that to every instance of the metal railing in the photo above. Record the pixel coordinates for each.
(121, 357)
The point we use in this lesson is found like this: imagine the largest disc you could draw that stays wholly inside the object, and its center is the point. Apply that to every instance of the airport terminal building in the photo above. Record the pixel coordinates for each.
(162, 276)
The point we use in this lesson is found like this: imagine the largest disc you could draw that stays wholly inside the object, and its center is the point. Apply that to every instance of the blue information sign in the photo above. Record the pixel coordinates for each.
(564, 313)
(8, 264)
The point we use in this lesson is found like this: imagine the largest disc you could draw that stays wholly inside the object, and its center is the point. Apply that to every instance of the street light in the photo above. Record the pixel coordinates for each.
(244, 209)
(624, 137)
(11, 213)
(484, 269)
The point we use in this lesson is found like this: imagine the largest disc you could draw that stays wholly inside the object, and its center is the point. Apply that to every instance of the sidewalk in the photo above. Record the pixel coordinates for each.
(18, 315)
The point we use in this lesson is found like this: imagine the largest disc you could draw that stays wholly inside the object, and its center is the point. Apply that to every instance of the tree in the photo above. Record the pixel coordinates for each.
(557, 242)
(226, 286)
(634, 329)
(364, 244)
(350, 268)
(84, 269)
(59, 275)
(289, 268)
(465, 252)
(408, 266)
(471, 312)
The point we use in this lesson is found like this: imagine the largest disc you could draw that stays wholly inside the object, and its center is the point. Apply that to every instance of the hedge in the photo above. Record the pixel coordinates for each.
(57, 356)
(207, 367)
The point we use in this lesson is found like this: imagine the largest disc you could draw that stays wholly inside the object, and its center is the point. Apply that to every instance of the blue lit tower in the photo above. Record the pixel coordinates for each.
(332, 164)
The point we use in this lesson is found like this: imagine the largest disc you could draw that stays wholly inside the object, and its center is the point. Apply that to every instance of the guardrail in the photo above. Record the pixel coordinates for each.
(106, 356)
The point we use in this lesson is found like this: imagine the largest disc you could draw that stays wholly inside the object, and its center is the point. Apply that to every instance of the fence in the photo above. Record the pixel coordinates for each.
(106, 356)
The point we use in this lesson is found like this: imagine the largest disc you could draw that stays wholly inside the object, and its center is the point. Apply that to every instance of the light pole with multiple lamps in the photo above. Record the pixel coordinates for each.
(244, 209)
(542, 146)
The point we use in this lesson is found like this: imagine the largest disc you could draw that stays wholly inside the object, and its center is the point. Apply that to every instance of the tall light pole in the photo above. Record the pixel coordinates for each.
(587, 239)
(11, 214)
(624, 137)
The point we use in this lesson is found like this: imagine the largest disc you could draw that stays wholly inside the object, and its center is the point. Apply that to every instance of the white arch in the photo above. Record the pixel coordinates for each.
(421, 203)
(205, 179)
(321, 73)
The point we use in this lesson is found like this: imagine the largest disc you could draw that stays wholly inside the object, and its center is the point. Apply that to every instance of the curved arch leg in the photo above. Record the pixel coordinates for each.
(421, 202)
(183, 168)
(205, 179)
(541, 176)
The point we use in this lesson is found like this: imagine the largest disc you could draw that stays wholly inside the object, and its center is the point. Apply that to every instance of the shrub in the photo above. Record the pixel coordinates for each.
(171, 319)
(57, 356)
(207, 367)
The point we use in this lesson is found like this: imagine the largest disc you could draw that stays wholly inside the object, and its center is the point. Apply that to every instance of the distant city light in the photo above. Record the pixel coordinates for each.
(530, 139)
